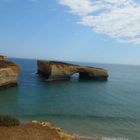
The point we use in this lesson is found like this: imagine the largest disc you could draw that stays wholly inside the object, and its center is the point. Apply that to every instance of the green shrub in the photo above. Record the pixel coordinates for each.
(6, 120)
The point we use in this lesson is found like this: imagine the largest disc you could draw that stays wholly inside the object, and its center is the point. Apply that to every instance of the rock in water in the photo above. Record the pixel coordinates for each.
(53, 70)
(9, 73)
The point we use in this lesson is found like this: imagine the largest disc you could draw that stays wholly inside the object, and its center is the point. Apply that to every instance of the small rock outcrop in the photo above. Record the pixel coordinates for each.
(9, 73)
(53, 70)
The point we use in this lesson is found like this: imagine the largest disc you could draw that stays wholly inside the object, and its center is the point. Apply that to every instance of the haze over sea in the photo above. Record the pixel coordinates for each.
(109, 109)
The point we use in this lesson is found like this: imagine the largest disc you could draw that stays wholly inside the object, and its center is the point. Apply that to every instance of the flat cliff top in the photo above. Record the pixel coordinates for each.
(58, 63)
(69, 64)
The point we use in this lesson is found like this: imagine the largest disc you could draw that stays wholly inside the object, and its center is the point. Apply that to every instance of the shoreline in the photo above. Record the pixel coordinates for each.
(36, 130)
(77, 136)
(39, 131)
(70, 135)
(42, 130)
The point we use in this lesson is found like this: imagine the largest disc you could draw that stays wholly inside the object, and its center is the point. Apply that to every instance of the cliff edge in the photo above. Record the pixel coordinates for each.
(53, 70)
(9, 73)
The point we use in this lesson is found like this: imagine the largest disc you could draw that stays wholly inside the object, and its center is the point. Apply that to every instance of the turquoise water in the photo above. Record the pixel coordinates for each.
(108, 109)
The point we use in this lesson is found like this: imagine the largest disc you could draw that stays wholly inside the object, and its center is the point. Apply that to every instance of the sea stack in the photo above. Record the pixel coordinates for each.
(53, 70)
(9, 73)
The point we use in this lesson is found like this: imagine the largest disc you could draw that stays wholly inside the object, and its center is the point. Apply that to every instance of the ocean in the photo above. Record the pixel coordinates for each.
(107, 109)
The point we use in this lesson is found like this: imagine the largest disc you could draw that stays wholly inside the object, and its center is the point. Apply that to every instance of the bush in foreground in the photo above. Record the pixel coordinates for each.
(6, 120)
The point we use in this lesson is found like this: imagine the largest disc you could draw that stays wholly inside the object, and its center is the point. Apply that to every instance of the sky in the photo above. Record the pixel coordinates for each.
(97, 31)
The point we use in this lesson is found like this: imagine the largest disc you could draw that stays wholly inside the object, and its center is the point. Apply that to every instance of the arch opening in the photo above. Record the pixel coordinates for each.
(75, 76)
(84, 75)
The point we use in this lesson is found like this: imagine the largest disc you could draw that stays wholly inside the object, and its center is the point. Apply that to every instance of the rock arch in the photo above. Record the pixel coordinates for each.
(53, 70)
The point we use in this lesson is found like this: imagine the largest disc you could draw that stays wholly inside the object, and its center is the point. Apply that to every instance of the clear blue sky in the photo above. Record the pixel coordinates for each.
(71, 30)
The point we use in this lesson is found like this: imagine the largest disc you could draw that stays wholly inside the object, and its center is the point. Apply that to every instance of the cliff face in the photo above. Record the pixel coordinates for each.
(52, 70)
(3, 58)
(9, 72)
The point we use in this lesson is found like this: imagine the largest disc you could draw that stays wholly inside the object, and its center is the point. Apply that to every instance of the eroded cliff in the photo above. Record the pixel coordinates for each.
(9, 72)
(53, 70)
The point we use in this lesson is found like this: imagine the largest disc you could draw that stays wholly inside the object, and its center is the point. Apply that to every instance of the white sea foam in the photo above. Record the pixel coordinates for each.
(108, 138)
(104, 138)
(84, 137)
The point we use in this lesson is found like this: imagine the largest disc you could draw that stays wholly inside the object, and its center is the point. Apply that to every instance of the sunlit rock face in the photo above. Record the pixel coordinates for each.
(9, 73)
(2, 58)
(53, 70)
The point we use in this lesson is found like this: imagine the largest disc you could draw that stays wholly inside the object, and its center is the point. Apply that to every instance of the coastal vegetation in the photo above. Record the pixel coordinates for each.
(6, 120)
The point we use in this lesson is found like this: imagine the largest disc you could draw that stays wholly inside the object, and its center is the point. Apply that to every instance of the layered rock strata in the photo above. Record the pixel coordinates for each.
(53, 70)
(9, 73)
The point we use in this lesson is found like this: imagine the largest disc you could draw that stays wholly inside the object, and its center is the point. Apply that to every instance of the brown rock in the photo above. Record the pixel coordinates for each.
(9, 73)
(3, 58)
(53, 70)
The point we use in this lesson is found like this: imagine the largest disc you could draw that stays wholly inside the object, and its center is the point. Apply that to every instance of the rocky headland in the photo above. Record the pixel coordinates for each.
(9, 72)
(53, 70)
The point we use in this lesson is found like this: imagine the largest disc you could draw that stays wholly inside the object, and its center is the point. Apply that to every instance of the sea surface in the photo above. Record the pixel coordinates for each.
(108, 109)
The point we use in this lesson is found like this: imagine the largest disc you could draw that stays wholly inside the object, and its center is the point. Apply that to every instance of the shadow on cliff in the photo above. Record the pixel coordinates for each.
(74, 78)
